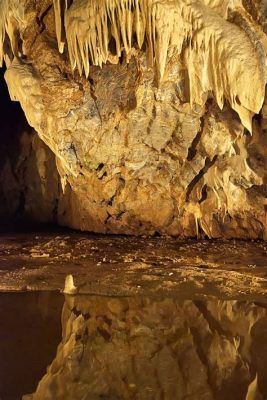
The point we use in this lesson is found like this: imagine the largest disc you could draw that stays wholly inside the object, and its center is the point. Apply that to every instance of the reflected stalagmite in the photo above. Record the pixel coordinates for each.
(120, 348)
(144, 117)
(148, 108)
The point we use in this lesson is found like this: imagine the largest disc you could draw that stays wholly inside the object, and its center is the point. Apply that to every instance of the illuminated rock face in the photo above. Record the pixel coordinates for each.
(158, 349)
(148, 107)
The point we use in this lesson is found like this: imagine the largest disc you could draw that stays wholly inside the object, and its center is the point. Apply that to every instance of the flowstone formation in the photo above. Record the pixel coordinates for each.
(155, 110)
(158, 349)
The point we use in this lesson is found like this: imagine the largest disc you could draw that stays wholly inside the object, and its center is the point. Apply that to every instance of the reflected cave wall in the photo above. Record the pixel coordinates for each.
(154, 349)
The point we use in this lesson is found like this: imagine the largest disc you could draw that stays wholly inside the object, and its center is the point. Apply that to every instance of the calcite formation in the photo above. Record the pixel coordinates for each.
(158, 349)
(155, 110)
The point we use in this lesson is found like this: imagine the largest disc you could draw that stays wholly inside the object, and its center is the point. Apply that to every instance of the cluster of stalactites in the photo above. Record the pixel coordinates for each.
(90, 25)
(220, 57)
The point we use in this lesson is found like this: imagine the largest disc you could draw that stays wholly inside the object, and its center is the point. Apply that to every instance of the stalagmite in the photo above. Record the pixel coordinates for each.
(69, 288)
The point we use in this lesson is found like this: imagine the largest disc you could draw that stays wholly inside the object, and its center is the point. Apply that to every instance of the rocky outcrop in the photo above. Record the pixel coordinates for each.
(158, 349)
(147, 106)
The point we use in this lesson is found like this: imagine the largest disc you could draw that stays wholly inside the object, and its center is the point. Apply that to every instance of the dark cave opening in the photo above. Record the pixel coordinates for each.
(13, 123)
(25, 204)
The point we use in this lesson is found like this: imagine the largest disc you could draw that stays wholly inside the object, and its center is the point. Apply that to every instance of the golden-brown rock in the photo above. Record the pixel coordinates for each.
(147, 106)
(158, 349)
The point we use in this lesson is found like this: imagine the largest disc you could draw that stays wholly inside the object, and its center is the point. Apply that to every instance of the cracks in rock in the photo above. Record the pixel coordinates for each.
(111, 200)
(208, 164)
(92, 89)
(94, 97)
(173, 139)
(212, 322)
(100, 167)
(105, 174)
(108, 218)
(152, 119)
(192, 151)
(105, 334)
(119, 215)
(41, 18)
(101, 172)
(115, 217)
(173, 157)
(204, 193)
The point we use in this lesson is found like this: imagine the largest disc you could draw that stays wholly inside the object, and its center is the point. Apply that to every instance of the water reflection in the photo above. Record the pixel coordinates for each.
(145, 348)
(30, 330)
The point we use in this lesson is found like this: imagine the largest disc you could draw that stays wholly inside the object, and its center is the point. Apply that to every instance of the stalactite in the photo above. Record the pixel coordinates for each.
(3, 20)
(220, 56)
(59, 13)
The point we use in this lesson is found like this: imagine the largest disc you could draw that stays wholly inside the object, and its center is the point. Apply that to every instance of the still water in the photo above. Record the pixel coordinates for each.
(116, 348)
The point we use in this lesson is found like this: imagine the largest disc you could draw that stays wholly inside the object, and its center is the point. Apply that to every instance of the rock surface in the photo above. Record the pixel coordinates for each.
(155, 349)
(148, 110)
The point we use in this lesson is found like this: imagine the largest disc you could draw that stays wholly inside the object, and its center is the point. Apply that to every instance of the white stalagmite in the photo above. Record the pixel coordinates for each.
(221, 57)
(69, 288)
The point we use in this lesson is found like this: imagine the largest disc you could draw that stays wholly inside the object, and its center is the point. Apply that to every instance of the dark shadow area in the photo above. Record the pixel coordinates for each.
(12, 116)
(29, 182)
(13, 123)
(29, 335)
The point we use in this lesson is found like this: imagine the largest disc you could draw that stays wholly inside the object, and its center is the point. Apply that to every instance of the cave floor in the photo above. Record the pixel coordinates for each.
(142, 302)
(129, 266)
